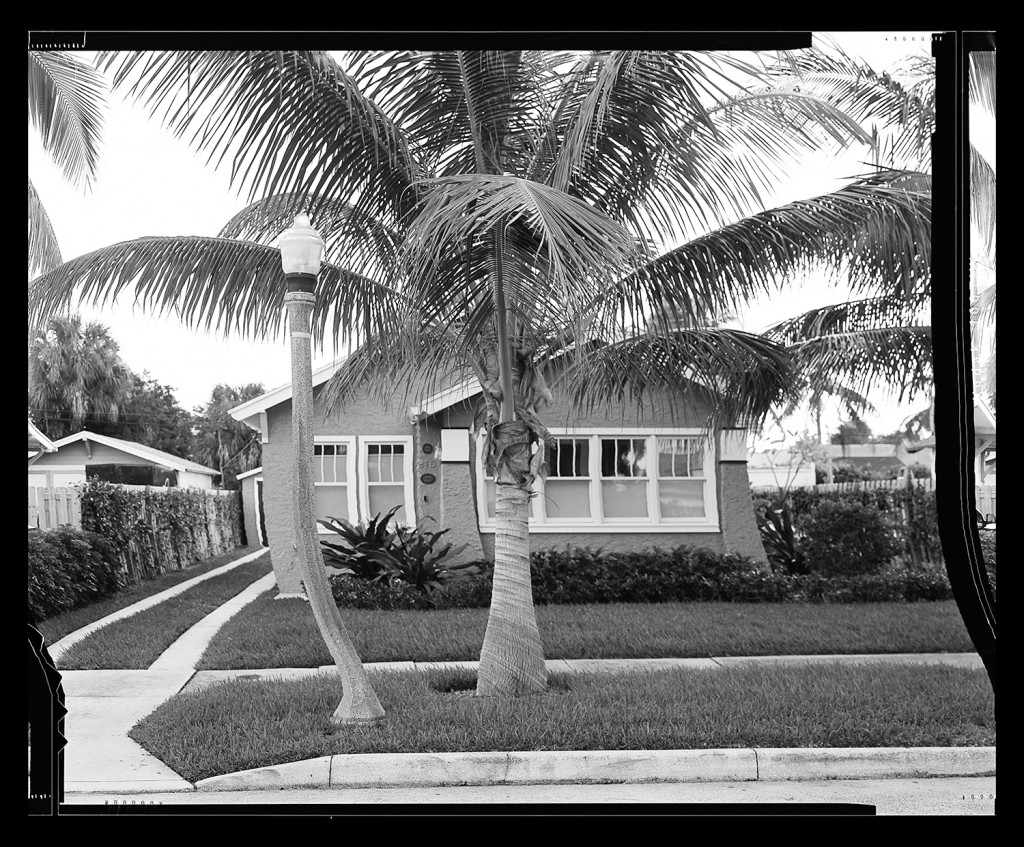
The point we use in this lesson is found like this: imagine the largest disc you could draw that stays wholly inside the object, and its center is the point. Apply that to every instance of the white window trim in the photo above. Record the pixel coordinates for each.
(364, 489)
(540, 523)
(350, 471)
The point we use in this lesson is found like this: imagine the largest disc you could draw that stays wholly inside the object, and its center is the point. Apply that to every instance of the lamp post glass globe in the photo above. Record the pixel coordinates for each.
(301, 248)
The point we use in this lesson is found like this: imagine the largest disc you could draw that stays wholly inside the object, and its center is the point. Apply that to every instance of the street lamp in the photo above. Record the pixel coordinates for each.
(301, 250)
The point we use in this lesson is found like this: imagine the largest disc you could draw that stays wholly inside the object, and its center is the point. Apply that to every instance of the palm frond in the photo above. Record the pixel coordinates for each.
(352, 239)
(981, 85)
(293, 123)
(214, 283)
(876, 236)
(983, 201)
(893, 360)
(573, 245)
(727, 377)
(409, 362)
(906, 114)
(462, 108)
(43, 250)
(851, 316)
(653, 140)
(65, 103)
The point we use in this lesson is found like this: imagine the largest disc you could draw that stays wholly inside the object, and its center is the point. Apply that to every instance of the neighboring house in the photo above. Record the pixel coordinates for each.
(612, 486)
(779, 468)
(984, 446)
(86, 454)
(879, 460)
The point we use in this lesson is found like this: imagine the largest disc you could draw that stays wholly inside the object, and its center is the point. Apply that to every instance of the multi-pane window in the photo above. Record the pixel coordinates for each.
(624, 478)
(331, 480)
(607, 479)
(385, 479)
(681, 478)
(567, 489)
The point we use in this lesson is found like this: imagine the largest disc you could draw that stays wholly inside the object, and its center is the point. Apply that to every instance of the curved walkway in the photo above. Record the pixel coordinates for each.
(103, 706)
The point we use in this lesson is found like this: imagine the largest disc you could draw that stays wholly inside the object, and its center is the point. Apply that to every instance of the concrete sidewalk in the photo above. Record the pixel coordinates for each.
(104, 705)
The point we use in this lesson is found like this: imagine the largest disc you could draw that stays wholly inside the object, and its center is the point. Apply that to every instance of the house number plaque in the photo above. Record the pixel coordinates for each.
(428, 478)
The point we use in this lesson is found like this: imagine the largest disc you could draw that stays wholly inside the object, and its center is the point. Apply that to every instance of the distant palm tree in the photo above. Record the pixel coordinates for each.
(65, 101)
(75, 377)
(518, 216)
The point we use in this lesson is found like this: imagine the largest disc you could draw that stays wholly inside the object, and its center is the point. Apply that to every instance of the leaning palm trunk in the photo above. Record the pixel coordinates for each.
(359, 703)
(512, 659)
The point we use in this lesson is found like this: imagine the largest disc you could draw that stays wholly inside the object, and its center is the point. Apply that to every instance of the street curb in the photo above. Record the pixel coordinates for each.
(609, 766)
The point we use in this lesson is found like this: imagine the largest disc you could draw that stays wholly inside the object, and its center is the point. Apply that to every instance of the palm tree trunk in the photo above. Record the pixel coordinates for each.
(512, 659)
(359, 703)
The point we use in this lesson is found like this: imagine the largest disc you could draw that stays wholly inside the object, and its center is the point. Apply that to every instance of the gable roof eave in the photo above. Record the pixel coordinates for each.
(151, 454)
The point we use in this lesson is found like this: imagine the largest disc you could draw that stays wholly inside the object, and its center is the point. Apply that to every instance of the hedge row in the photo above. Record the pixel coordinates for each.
(69, 568)
(579, 575)
(156, 530)
(857, 532)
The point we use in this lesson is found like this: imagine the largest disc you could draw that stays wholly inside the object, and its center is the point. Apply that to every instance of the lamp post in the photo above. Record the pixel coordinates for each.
(301, 249)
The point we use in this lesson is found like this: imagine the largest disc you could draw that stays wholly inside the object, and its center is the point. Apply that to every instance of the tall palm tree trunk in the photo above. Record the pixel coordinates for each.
(512, 659)
(359, 703)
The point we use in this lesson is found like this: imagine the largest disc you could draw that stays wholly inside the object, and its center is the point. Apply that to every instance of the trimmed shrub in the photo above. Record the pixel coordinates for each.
(69, 568)
(847, 538)
(581, 575)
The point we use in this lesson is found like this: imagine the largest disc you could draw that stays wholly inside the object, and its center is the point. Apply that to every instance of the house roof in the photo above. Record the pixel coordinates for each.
(248, 412)
(159, 457)
(38, 441)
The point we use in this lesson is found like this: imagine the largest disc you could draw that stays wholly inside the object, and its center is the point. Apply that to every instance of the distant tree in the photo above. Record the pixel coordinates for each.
(75, 377)
(151, 415)
(222, 442)
(853, 431)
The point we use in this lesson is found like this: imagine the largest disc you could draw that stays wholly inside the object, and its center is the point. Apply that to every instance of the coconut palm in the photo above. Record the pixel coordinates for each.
(506, 215)
(879, 340)
(75, 376)
(65, 100)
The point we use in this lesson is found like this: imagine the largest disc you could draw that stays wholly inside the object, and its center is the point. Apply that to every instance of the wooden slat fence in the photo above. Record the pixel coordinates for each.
(49, 508)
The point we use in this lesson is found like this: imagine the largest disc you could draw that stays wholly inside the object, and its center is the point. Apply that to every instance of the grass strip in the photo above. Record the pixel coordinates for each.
(245, 724)
(283, 634)
(55, 628)
(136, 642)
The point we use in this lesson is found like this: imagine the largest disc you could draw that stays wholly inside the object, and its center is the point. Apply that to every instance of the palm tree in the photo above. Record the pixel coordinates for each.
(505, 215)
(65, 99)
(75, 376)
(879, 341)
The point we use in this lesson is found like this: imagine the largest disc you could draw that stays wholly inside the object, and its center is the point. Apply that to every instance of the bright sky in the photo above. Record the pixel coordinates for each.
(151, 184)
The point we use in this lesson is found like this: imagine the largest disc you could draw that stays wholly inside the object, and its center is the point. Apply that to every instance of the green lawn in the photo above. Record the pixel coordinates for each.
(137, 641)
(282, 633)
(246, 724)
(55, 628)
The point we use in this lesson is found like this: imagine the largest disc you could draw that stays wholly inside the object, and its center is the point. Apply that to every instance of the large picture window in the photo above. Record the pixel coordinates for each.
(612, 481)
